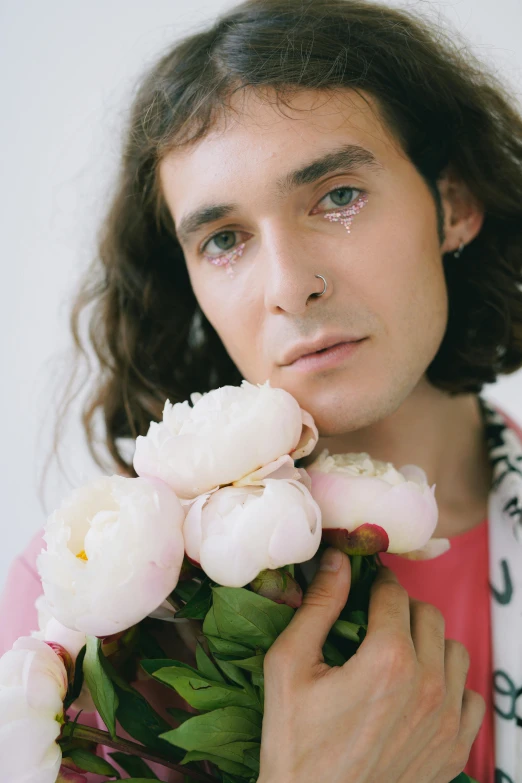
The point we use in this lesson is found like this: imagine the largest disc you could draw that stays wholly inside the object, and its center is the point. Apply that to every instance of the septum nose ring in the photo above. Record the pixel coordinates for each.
(325, 286)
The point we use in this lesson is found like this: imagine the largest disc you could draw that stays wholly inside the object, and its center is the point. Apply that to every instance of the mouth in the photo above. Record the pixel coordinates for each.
(326, 358)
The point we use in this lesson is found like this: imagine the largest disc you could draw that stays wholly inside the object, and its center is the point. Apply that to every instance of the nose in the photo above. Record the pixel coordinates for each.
(291, 283)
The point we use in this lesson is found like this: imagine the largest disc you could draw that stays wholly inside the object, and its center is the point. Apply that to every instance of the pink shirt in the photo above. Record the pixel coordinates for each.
(457, 583)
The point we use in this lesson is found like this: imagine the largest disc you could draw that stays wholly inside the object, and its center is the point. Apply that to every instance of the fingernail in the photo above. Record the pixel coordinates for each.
(331, 560)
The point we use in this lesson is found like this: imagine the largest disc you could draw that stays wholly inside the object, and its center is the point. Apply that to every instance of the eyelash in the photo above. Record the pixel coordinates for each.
(217, 259)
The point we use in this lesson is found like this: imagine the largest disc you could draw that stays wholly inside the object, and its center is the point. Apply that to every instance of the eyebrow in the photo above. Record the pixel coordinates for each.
(350, 157)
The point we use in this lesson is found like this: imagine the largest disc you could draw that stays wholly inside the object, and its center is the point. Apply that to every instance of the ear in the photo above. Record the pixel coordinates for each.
(463, 213)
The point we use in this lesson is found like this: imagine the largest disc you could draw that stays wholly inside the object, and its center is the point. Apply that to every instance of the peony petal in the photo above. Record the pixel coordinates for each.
(434, 548)
(281, 468)
(309, 437)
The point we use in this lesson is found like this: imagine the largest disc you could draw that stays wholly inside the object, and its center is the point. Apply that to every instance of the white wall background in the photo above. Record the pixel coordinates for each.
(66, 73)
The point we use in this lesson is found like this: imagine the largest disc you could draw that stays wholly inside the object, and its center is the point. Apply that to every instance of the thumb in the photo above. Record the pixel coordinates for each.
(326, 595)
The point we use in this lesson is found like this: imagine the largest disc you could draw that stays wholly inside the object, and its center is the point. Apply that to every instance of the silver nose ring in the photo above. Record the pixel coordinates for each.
(325, 286)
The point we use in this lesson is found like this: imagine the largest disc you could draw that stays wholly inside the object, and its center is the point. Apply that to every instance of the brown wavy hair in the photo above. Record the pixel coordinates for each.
(150, 338)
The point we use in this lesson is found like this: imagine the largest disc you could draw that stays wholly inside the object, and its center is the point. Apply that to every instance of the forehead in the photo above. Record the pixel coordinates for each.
(256, 140)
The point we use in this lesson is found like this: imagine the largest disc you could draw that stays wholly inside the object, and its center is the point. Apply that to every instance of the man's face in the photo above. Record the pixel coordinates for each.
(385, 278)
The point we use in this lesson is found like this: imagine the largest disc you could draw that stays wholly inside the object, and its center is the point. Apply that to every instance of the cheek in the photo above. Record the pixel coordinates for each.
(410, 290)
(233, 310)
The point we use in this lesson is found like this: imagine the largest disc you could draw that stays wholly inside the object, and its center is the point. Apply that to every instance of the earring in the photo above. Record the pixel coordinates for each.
(457, 253)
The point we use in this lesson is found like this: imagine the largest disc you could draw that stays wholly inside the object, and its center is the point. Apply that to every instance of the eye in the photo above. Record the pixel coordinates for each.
(226, 241)
(341, 197)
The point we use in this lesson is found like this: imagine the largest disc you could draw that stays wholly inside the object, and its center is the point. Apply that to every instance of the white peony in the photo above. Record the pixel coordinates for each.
(236, 532)
(234, 434)
(33, 684)
(51, 630)
(368, 506)
(114, 553)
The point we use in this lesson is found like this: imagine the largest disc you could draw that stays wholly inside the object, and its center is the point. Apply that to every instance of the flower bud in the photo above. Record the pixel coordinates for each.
(279, 585)
(66, 658)
(70, 773)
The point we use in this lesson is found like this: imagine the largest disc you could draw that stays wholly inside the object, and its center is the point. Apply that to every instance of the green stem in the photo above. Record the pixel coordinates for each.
(356, 561)
(104, 738)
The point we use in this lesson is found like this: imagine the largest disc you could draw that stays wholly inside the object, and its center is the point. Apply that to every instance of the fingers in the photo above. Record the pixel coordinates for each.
(427, 632)
(464, 704)
(472, 715)
(305, 635)
(389, 608)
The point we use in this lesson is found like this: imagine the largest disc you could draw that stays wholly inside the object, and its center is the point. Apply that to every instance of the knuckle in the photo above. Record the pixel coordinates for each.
(460, 651)
(433, 693)
(395, 658)
(392, 589)
(279, 656)
(429, 612)
(317, 595)
(450, 726)
(459, 758)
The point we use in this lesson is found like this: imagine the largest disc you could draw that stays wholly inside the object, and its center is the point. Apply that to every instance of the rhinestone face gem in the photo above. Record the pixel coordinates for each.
(346, 215)
(228, 259)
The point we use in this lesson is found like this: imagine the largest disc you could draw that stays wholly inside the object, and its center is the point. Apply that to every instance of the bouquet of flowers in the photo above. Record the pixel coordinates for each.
(216, 534)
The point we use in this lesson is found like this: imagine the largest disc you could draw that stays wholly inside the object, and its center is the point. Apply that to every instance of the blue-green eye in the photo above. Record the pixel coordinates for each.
(341, 197)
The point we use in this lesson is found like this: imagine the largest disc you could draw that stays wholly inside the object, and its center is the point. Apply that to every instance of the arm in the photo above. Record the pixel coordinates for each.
(18, 615)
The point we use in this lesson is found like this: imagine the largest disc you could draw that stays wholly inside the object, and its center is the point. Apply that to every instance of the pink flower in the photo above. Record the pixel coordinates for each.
(368, 506)
(236, 532)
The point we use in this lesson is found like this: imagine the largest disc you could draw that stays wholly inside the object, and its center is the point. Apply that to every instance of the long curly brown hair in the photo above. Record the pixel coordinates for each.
(148, 333)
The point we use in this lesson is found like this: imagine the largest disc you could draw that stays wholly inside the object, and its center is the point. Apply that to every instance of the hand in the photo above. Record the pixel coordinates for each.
(396, 712)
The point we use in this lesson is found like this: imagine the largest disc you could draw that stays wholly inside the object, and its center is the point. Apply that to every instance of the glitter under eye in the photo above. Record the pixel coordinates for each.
(346, 215)
(227, 259)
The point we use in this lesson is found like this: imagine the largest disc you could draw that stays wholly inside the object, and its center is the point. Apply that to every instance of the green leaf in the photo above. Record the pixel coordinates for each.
(185, 590)
(76, 686)
(234, 673)
(358, 617)
(198, 605)
(251, 757)
(225, 647)
(147, 643)
(224, 764)
(89, 762)
(258, 678)
(332, 656)
(212, 730)
(228, 778)
(253, 664)
(234, 751)
(346, 630)
(205, 665)
(178, 714)
(152, 665)
(99, 684)
(241, 614)
(463, 778)
(142, 722)
(201, 693)
(133, 765)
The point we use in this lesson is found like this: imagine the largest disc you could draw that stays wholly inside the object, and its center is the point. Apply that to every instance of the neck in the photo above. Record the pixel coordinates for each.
(444, 436)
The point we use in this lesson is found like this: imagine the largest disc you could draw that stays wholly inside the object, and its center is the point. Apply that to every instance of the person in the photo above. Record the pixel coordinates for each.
(327, 194)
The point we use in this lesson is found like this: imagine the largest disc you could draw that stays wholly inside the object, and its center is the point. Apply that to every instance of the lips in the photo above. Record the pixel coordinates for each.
(316, 346)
